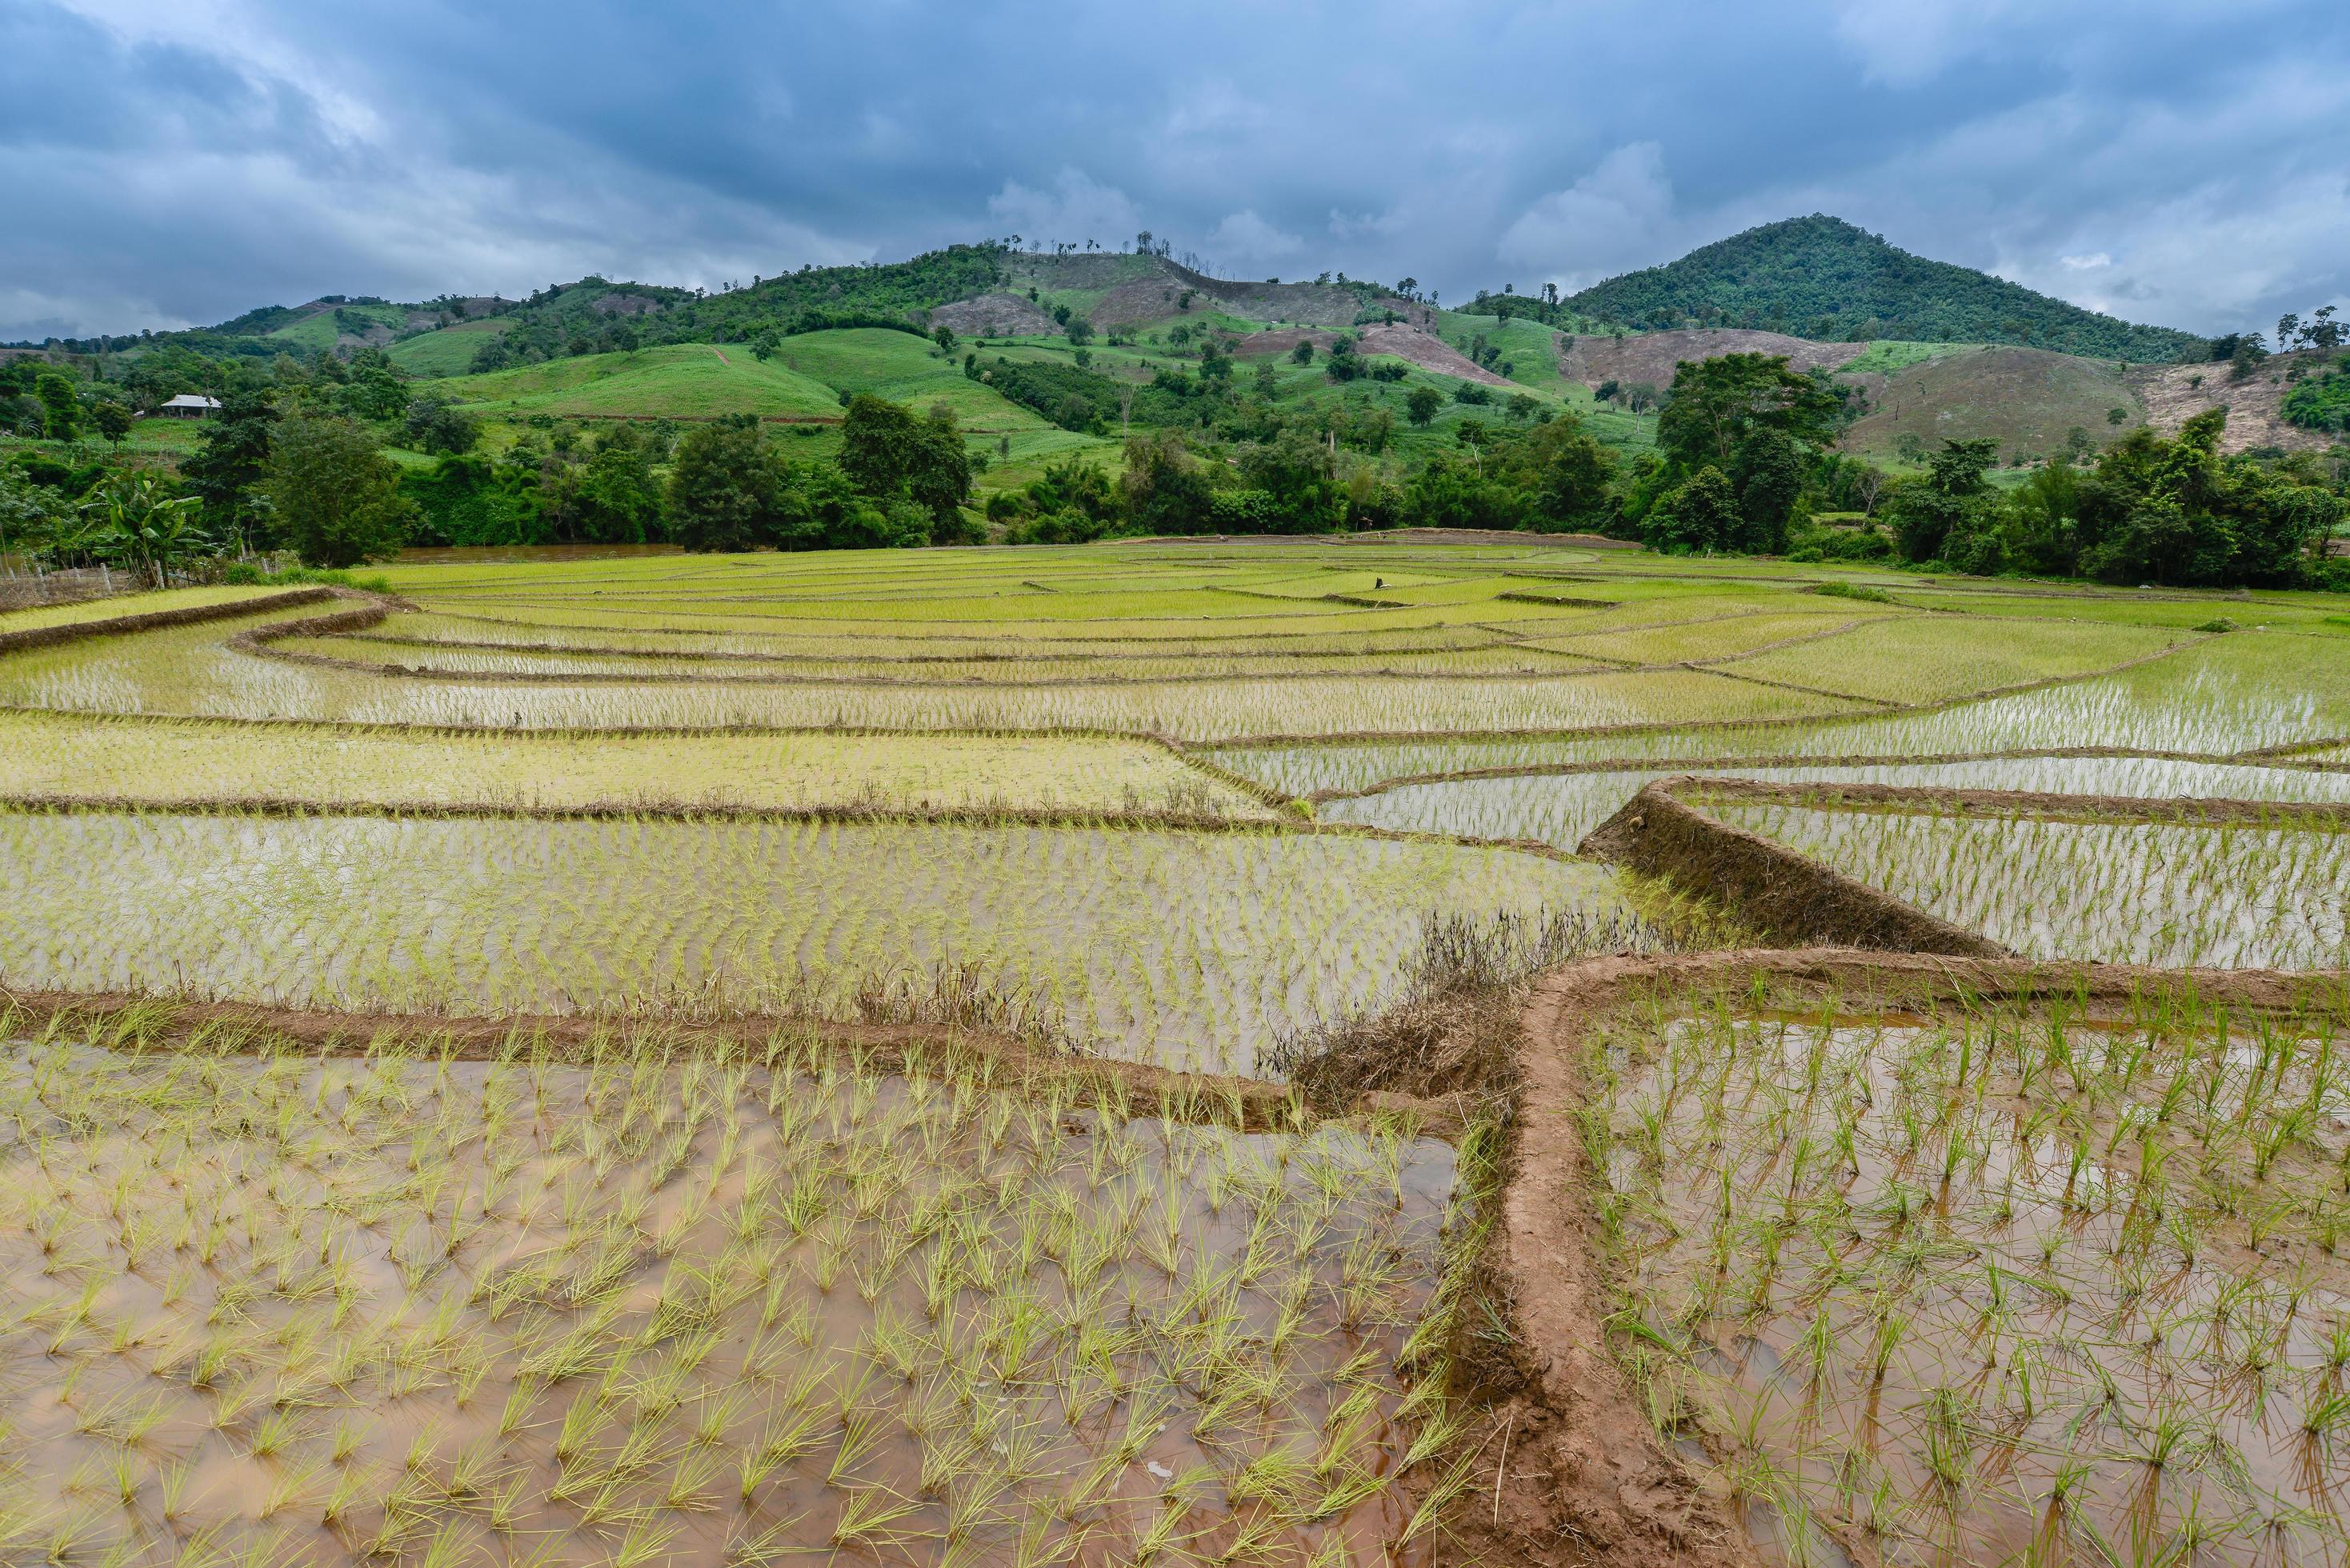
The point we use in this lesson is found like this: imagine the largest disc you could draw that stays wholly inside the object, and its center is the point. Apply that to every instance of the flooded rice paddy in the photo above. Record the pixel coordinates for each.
(1189, 949)
(1991, 1289)
(747, 1307)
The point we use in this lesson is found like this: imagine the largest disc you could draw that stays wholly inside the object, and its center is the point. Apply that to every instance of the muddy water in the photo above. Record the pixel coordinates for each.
(1560, 808)
(2240, 894)
(1998, 1292)
(508, 1311)
(1189, 949)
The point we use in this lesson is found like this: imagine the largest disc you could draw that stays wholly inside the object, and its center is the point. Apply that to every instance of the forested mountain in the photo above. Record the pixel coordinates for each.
(1822, 278)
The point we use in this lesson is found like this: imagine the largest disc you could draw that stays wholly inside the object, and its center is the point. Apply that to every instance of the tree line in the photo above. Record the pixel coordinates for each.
(1745, 461)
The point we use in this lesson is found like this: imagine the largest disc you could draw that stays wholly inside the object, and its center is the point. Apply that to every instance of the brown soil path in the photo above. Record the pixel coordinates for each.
(1587, 1480)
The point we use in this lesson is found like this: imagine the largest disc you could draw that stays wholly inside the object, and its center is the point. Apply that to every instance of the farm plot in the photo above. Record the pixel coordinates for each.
(1189, 949)
(747, 1305)
(1560, 808)
(2161, 890)
(2218, 698)
(197, 671)
(1674, 635)
(1006, 664)
(55, 756)
(458, 631)
(1933, 658)
(41, 617)
(1988, 1287)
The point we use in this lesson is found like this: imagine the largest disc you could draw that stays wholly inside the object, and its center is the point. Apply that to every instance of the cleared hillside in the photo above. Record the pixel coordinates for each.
(2027, 400)
(1111, 289)
(1651, 357)
(2173, 394)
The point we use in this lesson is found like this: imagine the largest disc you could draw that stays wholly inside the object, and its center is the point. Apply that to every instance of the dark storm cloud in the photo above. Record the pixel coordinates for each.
(166, 163)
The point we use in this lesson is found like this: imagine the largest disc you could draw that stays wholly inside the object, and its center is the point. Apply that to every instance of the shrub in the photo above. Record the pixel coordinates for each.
(1701, 514)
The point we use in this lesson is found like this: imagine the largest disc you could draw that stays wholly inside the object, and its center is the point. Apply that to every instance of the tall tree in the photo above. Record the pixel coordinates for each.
(1717, 404)
(724, 487)
(61, 404)
(890, 453)
(231, 459)
(335, 498)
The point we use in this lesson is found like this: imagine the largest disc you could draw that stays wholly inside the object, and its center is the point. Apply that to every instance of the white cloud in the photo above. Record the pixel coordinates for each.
(2089, 263)
(1363, 225)
(1217, 109)
(1244, 236)
(1613, 218)
(1078, 208)
(1902, 43)
(2221, 256)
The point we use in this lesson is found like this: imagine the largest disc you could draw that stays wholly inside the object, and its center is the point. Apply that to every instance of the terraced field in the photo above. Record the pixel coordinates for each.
(646, 988)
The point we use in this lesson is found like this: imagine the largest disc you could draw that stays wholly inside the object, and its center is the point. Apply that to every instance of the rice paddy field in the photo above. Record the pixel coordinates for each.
(378, 1188)
(746, 1306)
(1989, 1287)
(2156, 889)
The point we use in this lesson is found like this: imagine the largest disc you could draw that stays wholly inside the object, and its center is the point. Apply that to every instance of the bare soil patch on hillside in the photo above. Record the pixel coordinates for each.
(2027, 400)
(1428, 352)
(995, 316)
(2173, 394)
(1651, 357)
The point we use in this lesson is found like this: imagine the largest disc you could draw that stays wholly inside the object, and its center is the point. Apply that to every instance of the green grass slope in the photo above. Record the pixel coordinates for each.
(1822, 278)
(448, 352)
(322, 330)
(902, 367)
(684, 380)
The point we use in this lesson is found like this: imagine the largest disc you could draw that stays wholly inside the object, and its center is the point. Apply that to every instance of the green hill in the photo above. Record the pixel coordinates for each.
(1821, 277)
(677, 381)
(448, 350)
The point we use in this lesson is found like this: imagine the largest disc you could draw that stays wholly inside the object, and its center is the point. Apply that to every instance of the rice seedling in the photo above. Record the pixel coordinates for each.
(1560, 808)
(2164, 891)
(1971, 1337)
(1194, 948)
(628, 1355)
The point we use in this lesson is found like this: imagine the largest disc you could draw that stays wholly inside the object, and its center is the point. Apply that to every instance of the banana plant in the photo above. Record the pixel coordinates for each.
(145, 529)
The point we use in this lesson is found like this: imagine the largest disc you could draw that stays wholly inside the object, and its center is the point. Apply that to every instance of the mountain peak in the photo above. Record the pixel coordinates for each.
(1820, 276)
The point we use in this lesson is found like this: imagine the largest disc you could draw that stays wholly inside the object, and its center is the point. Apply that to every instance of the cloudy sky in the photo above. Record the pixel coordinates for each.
(164, 162)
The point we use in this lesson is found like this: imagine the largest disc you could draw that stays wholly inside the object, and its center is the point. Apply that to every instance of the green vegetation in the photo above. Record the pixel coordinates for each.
(728, 1302)
(1821, 277)
(1988, 1284)
(800, 1215)
(2155, 509)
(1884, 357)
(2321, 402)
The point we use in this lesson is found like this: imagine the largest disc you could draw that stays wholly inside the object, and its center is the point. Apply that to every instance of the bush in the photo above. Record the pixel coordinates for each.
(252, 574)
(1815, 543)
(1851, 591)
(1702, 515)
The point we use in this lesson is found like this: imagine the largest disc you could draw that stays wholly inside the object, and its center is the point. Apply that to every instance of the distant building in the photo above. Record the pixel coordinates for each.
(189, 406)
